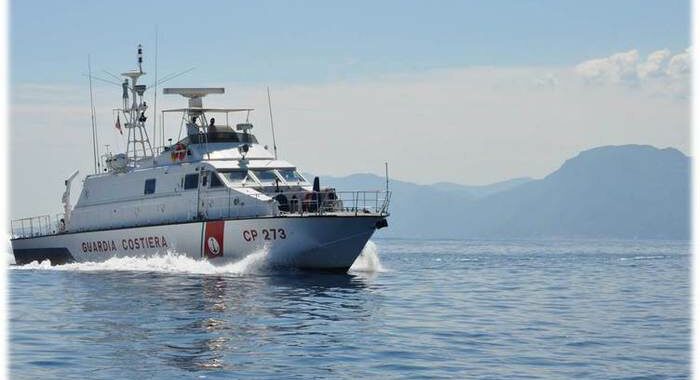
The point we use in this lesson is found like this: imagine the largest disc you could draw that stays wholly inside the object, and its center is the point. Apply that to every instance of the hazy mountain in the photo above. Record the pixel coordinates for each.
(482, 190)
(419, 210)
(373, 182)
(629, 191)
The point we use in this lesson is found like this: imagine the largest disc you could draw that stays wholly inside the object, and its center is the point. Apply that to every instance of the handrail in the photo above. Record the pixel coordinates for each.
(34, 226)
(303, 202)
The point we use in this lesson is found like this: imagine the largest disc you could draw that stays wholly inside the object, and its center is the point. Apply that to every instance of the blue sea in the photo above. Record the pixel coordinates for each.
(407, 309)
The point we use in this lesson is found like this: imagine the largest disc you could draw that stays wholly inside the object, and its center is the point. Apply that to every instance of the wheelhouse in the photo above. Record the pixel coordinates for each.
(261, 178)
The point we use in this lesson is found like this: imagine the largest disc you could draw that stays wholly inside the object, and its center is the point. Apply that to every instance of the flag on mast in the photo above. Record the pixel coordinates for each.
(118, 125)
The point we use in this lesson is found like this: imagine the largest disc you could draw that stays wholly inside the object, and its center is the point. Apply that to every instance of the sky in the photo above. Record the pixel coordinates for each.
(471, 92)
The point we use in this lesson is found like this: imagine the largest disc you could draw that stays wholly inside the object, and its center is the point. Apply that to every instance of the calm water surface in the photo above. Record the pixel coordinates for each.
(466, 309)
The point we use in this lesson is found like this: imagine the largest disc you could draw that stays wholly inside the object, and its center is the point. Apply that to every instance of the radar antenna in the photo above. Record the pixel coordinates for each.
(194, 99)
(195, 110)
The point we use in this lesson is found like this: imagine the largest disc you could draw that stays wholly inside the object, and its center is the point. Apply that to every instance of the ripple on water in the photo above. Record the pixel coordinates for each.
(474, 309)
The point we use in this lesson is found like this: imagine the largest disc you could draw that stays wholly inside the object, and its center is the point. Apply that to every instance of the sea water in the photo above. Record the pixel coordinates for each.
(407, 309)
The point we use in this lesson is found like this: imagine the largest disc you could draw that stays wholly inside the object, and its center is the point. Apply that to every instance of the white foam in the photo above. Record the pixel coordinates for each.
(170, 262)
(173, 262)
(368, 260)
(642, 258)
(6, 249)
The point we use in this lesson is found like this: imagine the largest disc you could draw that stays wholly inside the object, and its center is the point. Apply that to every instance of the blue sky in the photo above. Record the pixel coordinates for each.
(317, 41)
(460, 91)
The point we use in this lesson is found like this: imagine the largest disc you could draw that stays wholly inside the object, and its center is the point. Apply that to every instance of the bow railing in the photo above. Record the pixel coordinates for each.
(226, 204)
(340, 202)
(37, 226)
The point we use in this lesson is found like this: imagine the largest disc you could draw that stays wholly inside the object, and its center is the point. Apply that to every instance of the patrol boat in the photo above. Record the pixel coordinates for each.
(215, 193)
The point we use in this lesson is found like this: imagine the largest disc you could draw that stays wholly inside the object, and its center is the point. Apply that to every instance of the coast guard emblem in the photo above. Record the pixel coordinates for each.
(213, 242)
(213, 246)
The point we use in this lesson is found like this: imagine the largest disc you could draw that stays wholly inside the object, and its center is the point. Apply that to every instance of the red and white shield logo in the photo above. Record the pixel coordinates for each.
(213, 246)
(213, 241)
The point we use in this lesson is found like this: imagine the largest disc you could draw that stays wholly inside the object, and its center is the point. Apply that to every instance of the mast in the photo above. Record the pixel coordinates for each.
(138, 145)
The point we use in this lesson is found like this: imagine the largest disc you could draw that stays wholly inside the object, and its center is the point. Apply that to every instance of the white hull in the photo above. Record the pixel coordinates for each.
(313, 242)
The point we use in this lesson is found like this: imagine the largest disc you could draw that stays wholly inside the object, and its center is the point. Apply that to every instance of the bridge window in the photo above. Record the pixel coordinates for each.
(215, 181)
(191, 181)
(150, 186)
(265, 176)
(291, 175)
(237, 177)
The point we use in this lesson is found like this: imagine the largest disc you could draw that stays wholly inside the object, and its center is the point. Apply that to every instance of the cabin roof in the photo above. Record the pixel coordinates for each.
(202, 109)
(250, 164)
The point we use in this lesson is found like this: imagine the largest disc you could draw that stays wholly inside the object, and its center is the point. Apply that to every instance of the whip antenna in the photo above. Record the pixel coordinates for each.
(272, 123)
(155, 95)
(95, 152)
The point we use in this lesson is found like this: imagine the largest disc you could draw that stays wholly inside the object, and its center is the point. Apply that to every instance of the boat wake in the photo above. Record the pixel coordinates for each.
(170, 262)
(177, 263)
(368, 261)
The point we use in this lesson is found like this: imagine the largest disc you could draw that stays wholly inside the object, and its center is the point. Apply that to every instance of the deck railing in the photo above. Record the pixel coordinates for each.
(224, 204)
(324, 202)
(37, 226)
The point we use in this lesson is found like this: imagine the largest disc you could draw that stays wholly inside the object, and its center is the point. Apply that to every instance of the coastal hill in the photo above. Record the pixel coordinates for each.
(625, 192)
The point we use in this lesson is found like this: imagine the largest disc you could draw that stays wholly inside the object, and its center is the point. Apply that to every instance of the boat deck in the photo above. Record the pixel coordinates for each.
(290, 204)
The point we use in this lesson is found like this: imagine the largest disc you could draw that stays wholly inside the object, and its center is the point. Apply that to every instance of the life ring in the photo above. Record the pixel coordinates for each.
(179, 152)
